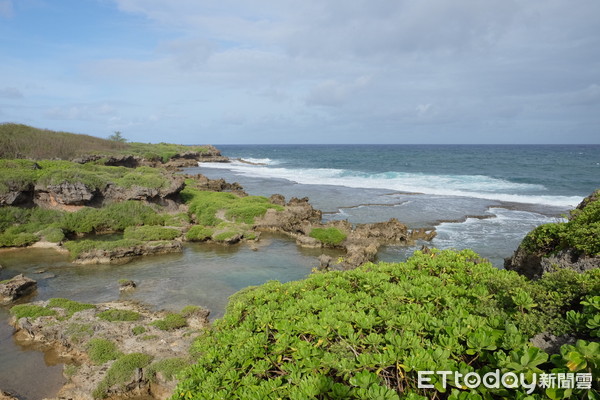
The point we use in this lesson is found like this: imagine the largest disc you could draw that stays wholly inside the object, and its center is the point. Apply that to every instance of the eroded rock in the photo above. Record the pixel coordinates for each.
(16, 288)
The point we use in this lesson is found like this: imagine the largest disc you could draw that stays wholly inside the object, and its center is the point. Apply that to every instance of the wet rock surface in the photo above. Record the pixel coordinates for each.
(15, 288)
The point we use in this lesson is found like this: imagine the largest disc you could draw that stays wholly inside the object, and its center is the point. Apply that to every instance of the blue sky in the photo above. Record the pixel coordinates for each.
(282, 71)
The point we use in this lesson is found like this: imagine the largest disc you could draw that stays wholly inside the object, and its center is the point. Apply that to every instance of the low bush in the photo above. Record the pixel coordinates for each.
(114, 315)
(17, 239)
(168, 368)
(365, 333)
(70, 306)
(581, 233)
(198, 233)
(121, 371)
(170, 322)
(78, 247)
(150, 232)
(204, 205)
(102, 350)
(54, 235)
(32, 311)
(331, 236)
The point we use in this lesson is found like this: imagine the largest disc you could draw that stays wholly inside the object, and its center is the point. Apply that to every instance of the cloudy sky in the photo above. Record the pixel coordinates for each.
(310, 71)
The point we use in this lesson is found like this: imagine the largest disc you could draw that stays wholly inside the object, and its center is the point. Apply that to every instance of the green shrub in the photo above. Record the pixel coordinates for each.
(331, 236)
(204, 205)
(54, 235)
(168, 368)
(225, 235)
(170, 322)
(581, 232)
(150, 232)
(76, 248)
(17, 239)
(70, 306)
(32, 311)
(198, 233)
(114, 315)
(102, 350)
(138, 330)
(365, 333)
(121, 371)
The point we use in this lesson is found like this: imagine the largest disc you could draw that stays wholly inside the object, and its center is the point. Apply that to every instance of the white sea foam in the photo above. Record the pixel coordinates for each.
(478, 186)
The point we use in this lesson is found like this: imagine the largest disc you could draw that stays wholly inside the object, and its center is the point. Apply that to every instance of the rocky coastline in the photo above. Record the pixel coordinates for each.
(113, 350)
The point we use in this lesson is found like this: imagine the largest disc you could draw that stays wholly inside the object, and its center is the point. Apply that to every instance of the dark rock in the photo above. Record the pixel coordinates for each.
(66, 193)
(551, 344)
(126, 284)
(533, 265)
(15, 288)
(7, 396)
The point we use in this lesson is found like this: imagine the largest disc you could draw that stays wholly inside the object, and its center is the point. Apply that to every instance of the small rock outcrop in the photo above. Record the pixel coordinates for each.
(216, 185)
(125, 254)
(7, 396)
(559, 245)
(16, 288)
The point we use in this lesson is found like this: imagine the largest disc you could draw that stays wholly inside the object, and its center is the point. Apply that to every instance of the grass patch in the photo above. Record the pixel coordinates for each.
(225, 235)
(32, 311)
(138, 330)
(121, 371)
(115, 315)
(198, 233)
(168, 368)
(102, 350)
(52, 234)
(331, 236)
(151, 232)
(70, 306)
(170, 322)
(204, 205)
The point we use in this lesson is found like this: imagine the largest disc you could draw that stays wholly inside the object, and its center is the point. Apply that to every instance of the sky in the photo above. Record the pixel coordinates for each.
(310, 71)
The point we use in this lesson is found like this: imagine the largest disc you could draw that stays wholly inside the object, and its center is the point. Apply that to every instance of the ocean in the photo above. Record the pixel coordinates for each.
(483, 197)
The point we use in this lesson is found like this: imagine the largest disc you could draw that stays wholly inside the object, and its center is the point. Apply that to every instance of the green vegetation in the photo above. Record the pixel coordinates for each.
(170, 322)
(198, 233)
(121, 371)
(168, 368)
(78, 332)
(364, 333)
(114, 315)
(331, 236)
(204, 205)
(102, 350)
(76, 248)
(22, 141)
(581, 232)
(53, 234)
(21, 174)
(220, 237)
(138, 330)
(189, 310)
(150, 232)
(32, 311)
(70, 306)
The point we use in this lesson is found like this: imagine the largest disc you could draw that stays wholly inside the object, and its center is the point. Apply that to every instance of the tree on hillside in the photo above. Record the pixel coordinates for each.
(117, 137)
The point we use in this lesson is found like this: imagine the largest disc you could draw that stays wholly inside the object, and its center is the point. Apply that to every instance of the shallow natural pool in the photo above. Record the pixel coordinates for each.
(202, 274)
